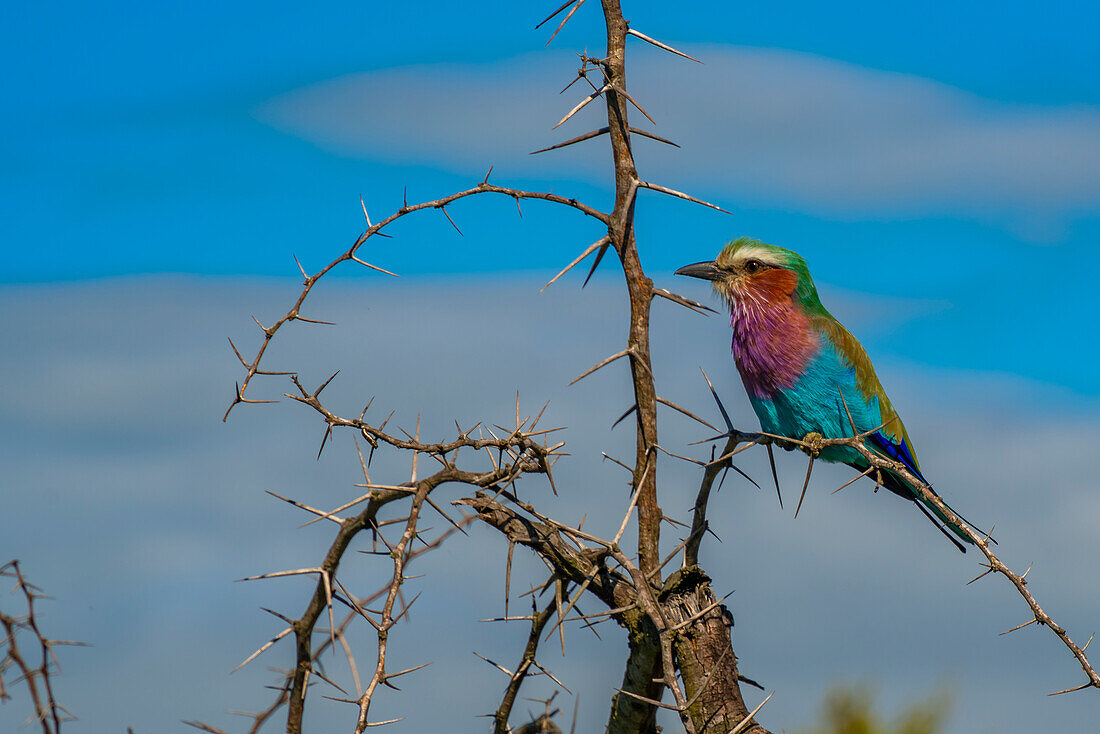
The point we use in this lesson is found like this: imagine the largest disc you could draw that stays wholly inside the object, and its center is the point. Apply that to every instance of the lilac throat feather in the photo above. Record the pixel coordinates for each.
(773, 343)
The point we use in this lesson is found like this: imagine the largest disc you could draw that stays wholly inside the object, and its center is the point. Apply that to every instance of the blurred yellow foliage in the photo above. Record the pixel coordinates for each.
(851, 711)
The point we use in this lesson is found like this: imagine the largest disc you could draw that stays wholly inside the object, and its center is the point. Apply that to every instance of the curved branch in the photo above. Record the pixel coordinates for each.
(253, 368)
(814, 444)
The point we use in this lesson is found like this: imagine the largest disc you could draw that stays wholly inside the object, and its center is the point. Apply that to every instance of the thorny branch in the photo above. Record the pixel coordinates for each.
(293, 314)
(525, 454)
(38, 677)
(813, 444)
(387, 618)
(538, 623)
(359, 607)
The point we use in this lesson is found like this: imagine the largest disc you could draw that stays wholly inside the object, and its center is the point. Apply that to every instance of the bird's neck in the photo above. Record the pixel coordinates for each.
(773, 342)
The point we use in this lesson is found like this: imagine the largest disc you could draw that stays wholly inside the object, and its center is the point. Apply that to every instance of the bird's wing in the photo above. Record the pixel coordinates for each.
(892, 439)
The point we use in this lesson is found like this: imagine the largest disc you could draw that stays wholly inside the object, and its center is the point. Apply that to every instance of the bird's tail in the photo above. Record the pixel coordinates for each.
(934, 514)
(938, 519)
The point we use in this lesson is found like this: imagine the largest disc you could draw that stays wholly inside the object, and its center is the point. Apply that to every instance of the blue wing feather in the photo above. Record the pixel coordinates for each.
(898, 451)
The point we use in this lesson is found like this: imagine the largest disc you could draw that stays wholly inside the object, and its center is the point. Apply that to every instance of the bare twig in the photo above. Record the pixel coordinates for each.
(253, 367)
(591, 248)
(680, 195)
(38, 678)
(658, 44)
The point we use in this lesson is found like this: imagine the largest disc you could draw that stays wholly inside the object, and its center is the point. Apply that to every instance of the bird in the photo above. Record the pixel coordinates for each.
(805, 374)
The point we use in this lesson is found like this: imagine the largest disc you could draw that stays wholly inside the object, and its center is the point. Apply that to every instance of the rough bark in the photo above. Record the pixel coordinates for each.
(628, 714)
(643, 666)
(639, 287)
(709, 657)
(704, 654)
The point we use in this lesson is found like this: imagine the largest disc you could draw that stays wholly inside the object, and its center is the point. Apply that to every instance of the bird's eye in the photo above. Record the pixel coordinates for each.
(753, 266)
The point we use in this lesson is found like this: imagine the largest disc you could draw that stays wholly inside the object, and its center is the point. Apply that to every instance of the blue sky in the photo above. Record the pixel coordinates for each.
(937, 163)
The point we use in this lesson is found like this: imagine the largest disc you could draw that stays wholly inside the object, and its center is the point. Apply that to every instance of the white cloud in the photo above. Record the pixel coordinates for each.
(760, 126)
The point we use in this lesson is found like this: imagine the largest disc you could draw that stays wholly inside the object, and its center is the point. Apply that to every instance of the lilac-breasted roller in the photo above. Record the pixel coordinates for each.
(803, 371)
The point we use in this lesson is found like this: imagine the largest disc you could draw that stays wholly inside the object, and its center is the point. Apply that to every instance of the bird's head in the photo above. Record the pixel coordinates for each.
(748, 269)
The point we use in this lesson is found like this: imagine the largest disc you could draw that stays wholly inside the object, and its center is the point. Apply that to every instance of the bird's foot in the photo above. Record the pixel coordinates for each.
(813, 443)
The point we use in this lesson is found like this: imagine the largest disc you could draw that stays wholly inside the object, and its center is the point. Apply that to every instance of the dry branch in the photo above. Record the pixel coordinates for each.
(253, 368)
(504, 710)
(37, 677)
(812, 445)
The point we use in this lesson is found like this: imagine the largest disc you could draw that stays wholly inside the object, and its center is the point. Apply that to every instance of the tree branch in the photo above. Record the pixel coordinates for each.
(253, 368)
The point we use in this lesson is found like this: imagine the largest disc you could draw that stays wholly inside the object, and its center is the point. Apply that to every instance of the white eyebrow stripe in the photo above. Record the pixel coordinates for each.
(752, 252)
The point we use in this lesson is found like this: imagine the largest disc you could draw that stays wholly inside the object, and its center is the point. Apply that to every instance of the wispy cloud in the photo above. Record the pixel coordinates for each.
(765, 127)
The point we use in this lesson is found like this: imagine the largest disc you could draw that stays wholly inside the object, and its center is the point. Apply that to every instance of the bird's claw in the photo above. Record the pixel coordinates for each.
(813, 443)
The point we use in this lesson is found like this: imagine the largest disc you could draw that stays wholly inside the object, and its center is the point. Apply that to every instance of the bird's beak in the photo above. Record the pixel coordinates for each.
(705, 270)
